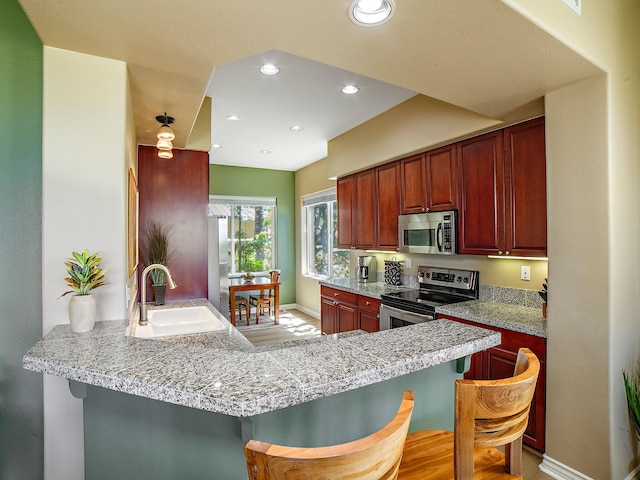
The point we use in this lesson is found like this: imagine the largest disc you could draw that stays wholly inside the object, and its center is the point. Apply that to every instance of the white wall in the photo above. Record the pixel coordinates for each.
(86, 153)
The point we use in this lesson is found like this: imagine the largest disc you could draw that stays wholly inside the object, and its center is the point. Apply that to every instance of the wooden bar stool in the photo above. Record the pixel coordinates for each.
(488, 413)
(374, 457)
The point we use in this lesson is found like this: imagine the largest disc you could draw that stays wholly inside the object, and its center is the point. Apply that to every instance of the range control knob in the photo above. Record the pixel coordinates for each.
(465, 279)
(428, 275)
(459, 279)
(421, 274)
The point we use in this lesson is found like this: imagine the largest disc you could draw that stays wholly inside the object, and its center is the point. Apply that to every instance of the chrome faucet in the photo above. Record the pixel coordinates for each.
(143, 296)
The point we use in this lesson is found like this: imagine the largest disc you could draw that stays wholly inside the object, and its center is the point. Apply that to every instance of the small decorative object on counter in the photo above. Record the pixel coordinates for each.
(85, 274)
(392, 270)
(543, 294)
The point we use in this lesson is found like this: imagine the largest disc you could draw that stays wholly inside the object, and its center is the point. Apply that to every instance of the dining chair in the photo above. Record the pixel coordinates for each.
(266, 299)
(240, 302)
(488, 413)
(374, 457)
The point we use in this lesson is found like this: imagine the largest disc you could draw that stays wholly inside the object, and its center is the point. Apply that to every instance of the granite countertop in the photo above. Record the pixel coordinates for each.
(503, 315)
(370, 289)
(222, 372)
(516, 318)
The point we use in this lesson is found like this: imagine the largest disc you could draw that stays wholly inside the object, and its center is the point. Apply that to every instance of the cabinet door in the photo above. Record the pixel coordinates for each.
(364, 218)
(525, 189)
(369, 313)
(481, 202)
(345, 201)
(414, 184)
(441, 172)
(328, 315)
(387, 206)
(347, 317)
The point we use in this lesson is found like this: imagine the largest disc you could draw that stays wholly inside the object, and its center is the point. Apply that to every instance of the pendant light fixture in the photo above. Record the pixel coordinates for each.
(165, 136)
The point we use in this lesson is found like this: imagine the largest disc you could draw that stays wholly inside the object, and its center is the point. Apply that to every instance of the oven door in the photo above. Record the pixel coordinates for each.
(391, 317)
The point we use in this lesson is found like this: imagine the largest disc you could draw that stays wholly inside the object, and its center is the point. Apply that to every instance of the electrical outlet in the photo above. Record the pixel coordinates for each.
(525, 273)
(575, 5)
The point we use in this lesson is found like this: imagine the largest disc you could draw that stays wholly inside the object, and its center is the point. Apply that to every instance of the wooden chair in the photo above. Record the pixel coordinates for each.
(488, 413)
(374, 457)
(267, 298)
(242, 302)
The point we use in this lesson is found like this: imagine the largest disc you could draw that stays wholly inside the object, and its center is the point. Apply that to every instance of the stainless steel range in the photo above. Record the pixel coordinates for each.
(437, 286)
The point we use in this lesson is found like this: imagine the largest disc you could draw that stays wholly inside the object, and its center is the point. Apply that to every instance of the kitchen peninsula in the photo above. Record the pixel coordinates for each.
(183, 407)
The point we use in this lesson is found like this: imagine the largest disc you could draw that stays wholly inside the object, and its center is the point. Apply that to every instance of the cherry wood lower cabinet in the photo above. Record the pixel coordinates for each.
(339, 311)
(369, 313)
(499, 362)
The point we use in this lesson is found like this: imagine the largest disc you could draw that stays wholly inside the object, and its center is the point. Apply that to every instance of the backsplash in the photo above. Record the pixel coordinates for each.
(490, 293)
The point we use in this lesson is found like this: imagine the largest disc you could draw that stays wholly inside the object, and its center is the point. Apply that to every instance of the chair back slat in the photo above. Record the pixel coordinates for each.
(374, 457)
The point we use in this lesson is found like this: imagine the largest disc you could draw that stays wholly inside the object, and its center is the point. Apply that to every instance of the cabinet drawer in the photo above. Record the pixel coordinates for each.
(339, 295)
(369, 303)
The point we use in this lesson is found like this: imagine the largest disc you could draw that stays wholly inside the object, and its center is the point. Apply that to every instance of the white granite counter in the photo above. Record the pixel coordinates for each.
(370, 289)
(502, 315)
(222, 372)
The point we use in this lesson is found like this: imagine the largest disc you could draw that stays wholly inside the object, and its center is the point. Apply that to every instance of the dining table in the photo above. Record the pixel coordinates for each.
(257, 283)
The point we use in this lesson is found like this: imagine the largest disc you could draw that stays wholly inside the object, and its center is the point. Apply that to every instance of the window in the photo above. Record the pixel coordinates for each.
(320, 221)
(250, 231)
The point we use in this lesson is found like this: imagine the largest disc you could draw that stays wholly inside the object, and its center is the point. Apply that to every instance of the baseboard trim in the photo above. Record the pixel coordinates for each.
(560, 471)
(311, 313)
(634, 475)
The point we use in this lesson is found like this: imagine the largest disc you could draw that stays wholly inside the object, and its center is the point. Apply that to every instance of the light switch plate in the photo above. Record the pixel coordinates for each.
(525, 273)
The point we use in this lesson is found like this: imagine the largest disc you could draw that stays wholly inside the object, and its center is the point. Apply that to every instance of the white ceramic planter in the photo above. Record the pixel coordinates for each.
(82, 313)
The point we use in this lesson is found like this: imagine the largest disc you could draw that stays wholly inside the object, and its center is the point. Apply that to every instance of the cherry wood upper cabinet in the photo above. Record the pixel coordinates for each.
(414, 184)
(441, 173)
(525, 189)
(364, 219)
(387, 205)
(503, 196)
(481, 203)
(345, 199)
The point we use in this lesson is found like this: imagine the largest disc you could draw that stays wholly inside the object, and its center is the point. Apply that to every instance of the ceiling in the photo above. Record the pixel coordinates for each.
(479, 55)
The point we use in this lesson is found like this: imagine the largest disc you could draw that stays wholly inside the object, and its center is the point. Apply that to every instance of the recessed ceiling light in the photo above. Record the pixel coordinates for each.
(350, 89)
(296, 128)
(269, 69)
(371, 13)
(265, 152)
(233, 118)
(216, 145)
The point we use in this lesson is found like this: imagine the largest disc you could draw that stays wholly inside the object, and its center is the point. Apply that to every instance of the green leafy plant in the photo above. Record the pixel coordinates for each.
(155, 248)
(84, 273)
(632, 389)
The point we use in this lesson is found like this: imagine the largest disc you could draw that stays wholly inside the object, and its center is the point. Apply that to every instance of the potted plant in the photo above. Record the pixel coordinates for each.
(85, 275)
(632, 389)
(155, 248)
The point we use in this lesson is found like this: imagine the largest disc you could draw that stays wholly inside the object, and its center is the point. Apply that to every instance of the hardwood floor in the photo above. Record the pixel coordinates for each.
(296, 325)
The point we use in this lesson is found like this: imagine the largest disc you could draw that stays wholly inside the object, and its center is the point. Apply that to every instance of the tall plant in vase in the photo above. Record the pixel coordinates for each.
(155, 248)
(85, 275)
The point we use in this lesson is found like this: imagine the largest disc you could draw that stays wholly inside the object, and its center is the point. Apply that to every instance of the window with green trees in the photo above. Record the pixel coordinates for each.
(251, 232)
(320, 217)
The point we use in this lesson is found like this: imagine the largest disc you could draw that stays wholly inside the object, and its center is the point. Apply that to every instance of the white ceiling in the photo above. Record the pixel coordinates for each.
(477, 54)
(303, 93)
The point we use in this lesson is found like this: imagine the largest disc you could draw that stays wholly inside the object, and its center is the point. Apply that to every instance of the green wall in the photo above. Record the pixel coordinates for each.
(259, 182)
(21, 418)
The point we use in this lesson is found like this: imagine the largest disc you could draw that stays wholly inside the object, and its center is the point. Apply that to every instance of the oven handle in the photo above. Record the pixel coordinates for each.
(406, 313)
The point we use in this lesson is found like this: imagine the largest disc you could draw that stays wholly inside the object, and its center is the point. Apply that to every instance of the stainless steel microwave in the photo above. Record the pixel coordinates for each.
(431, 233)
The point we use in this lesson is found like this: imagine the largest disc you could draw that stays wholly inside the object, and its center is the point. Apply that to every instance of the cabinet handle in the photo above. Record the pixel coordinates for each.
(499, 252)
(336, 294)
(367, 303)
(507, 252)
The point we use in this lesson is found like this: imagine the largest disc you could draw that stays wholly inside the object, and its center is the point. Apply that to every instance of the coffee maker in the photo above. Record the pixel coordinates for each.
(366, 270)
